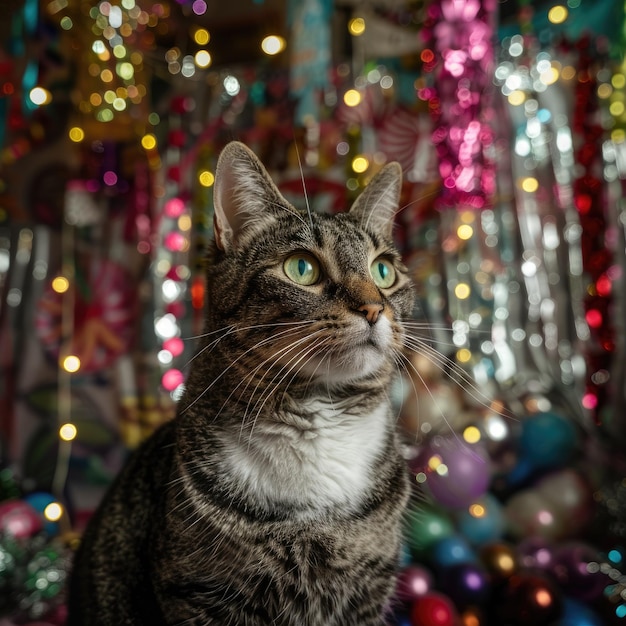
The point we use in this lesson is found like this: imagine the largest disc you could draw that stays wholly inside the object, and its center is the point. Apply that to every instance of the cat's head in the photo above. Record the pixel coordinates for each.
(305, 296)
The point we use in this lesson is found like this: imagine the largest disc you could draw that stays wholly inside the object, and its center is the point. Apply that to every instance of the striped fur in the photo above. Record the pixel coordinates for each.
(276, 495)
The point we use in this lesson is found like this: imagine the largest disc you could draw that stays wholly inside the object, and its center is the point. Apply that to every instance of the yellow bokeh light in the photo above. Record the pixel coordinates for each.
(434, 462)
(464, 232)
(119, 51)
(477, 510)
(360, 164)
(549, 77)
(462, 291)
(68, 432)
(273, 44)
(76, 134)
(202, 36)
(618, 135)
(471, 434)
(71, 363)
(148, 142)
(356, 26)
(616, 108)
(125, 70)
(618, 81)
(463, 355)
(95, 99)
(206, 178)
(568, 72)
(604, 90)
(517, 97)
(529, 184)
(506, 563)
(202, 59)
(106, 76)
(184, 222)
(557, 14)
(53, 512)
(352, 97)
(60, 284)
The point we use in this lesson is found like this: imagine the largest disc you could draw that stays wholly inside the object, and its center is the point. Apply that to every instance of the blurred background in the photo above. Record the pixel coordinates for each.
(508, 119)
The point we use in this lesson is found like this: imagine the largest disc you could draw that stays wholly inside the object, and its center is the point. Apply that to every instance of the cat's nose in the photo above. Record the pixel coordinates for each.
(371, 311)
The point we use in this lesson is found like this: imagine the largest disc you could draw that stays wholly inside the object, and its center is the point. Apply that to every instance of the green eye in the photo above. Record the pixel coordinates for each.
(302, 268)
(383, 273)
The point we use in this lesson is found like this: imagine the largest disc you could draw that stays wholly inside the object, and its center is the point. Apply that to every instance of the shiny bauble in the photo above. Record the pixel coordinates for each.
(456, 473)
(434, 609)
(482, 521)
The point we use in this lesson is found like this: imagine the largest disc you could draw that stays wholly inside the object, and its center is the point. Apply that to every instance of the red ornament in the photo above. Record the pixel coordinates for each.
(434, 609)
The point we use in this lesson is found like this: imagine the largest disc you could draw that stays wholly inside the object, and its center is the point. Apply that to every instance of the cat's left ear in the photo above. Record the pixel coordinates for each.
(243, 195)
(376, 207)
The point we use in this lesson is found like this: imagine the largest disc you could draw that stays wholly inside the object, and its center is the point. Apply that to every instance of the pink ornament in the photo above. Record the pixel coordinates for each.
(19, 519)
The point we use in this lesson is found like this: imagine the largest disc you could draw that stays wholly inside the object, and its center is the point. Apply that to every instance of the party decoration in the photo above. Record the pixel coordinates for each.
(500, 560)
(434, 609)
(482, 521)
(310, 55)
(452, 550)
(576, 613)
(425, 525)
(413, 582)
(547, 440)
(575, 567)
(530, 598)
(102, 316)
(466, 584)
(19, 520)
(529, 514)
(454, 472)
(461, 60)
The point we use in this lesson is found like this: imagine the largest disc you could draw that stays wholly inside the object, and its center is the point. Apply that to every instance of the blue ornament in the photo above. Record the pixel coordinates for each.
(451, 550)
(576, 613)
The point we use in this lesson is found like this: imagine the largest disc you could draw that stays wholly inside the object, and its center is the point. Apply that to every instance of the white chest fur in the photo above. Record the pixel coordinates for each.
(313, 464)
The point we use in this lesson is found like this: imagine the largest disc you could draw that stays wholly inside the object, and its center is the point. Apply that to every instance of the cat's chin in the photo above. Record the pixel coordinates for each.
(351, 366)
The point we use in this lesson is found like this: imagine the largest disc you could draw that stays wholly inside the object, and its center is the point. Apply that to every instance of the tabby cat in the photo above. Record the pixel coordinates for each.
(276, 494)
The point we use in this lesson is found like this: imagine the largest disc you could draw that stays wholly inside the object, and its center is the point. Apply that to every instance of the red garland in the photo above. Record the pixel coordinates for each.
(598, 263)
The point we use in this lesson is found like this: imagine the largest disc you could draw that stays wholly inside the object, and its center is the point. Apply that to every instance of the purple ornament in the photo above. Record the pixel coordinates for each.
(576, 566)
(413, 582)
(456, 473)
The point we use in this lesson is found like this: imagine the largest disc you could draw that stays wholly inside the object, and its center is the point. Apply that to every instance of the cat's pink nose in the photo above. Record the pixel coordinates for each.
(371, 311)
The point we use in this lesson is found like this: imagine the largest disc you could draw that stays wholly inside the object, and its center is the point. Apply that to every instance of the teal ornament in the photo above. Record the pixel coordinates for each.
(482, 522)
(39, 501)
(547, 441)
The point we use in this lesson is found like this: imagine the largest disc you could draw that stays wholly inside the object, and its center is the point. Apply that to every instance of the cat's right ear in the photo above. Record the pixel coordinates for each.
(242, 194)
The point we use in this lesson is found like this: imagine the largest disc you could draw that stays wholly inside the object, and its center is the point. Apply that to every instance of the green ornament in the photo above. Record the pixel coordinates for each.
(425, 525)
